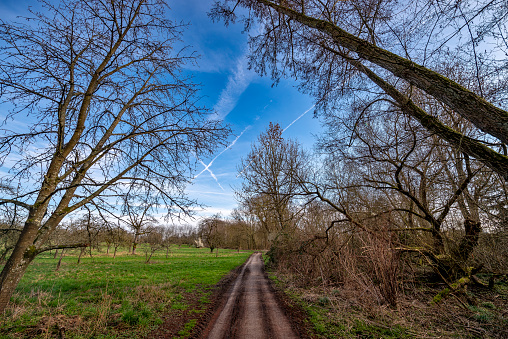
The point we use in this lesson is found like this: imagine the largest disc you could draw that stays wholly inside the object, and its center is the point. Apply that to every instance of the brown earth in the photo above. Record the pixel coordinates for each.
(251, 309)
(244, 305)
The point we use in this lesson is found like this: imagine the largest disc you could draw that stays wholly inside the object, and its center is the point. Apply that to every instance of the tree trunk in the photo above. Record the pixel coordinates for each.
(114, 253)
(470, 239)
(56, 254)
(150, 257)
(496, 161)
(482, 114)
(60, 260)
(81, 254)
(22, 255)
(10, 277)
(135, 243)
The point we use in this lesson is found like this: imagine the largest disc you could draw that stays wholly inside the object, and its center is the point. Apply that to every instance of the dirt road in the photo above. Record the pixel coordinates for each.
(251, 309)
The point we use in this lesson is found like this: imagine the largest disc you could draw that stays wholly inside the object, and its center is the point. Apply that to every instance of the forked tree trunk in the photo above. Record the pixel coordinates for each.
(81, 254)
(60, 260)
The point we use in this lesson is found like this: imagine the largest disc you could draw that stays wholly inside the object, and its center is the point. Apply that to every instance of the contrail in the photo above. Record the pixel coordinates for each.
(301, 115)
(207, 167)
(211, 173)
(307, 111)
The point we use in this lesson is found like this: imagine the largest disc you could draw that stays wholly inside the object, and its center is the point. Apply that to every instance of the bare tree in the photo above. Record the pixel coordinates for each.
(138, 218)
(154, 238)
(108, 108)
(210, 230)
(434, 196)
(334, 45)
(268, 178)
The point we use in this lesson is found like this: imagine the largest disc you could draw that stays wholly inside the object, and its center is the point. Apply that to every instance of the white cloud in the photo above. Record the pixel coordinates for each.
(237, 84)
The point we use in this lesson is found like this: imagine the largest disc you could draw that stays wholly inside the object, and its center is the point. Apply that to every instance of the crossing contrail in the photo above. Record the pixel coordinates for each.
(207, 167)
(211, 173)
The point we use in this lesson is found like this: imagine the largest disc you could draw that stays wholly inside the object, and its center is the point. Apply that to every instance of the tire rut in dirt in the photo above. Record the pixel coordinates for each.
(252, 310)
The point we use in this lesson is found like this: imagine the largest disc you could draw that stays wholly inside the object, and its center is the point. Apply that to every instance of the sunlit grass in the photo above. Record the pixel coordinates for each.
(109, 297)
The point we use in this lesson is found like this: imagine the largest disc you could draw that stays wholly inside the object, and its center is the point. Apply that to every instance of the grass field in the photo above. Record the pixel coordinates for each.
(104, 297)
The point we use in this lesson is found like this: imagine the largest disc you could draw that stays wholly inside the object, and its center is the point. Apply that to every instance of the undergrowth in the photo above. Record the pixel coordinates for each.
(341, 311)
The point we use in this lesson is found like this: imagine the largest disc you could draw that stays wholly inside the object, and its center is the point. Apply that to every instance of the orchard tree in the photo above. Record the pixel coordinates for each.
(154, 238)
(105, 106)
(138, 217)
(211, 231)
(339, 47)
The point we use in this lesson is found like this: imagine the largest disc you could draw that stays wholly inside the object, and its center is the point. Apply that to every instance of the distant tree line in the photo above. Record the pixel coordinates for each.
(93, 233)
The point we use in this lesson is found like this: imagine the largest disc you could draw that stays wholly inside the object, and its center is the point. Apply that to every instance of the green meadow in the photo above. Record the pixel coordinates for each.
(122, 297)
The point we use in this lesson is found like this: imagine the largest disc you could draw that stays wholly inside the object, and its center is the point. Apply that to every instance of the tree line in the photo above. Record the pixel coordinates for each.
(396, 203)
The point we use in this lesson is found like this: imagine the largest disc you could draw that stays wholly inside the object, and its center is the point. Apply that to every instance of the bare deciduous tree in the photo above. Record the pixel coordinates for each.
(333, 45)
(269, 182)
(211, 233)
(138, 217)
(105, 106)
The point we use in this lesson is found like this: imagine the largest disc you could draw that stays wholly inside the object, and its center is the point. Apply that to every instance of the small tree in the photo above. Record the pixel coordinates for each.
(169, 238)
(154, 237)
(138, 219)
(210, 232)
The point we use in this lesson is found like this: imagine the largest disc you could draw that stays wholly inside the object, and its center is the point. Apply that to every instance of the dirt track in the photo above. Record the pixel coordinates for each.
(251, 309)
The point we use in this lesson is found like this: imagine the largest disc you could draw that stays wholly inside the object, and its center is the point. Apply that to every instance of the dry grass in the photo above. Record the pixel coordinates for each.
(341, 312)
(361, 287)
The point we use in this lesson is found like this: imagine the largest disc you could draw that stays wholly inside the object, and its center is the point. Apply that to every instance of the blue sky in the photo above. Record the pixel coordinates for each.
(247, 102)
